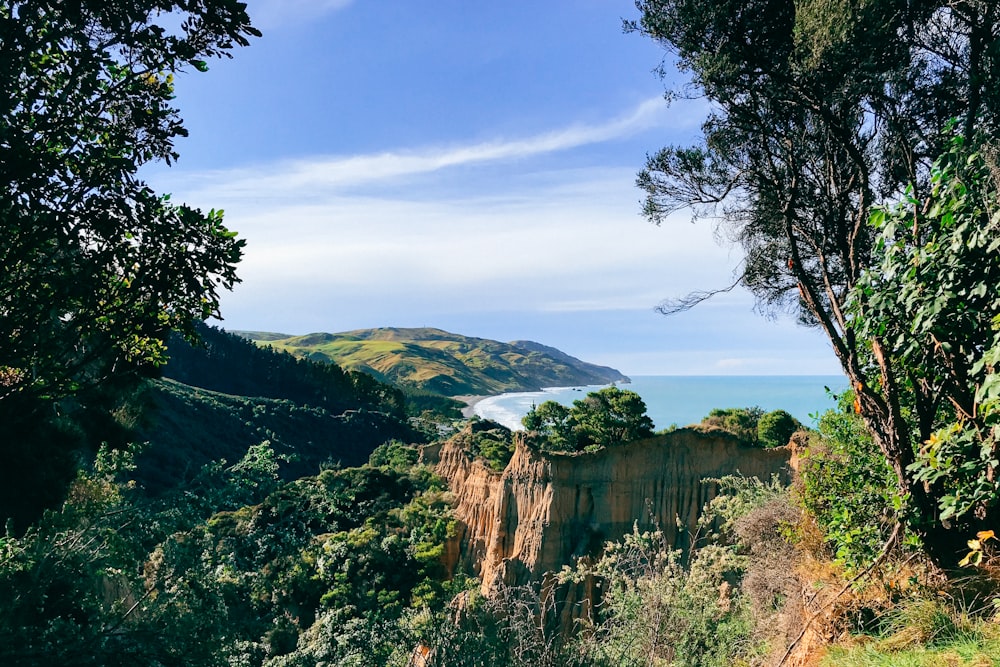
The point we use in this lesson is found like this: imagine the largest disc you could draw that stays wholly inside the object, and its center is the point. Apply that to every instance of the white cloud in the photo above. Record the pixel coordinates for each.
(564, 253)
(507, 238)
(564, 238)
(323, 175)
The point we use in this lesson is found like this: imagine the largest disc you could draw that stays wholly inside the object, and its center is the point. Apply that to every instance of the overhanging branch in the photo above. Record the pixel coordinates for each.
(674, 306)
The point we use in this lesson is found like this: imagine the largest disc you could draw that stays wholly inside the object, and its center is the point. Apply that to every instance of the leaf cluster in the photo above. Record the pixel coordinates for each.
(933, 304)
(235, 569)
(98, 267)
(847, 486)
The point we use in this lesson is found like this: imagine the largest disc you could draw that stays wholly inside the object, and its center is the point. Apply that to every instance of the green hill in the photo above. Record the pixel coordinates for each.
(227, 394)
(437, 361)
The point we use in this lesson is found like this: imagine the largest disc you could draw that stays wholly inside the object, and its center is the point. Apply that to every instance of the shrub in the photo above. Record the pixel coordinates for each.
(775, 428)
(741, 422)
(848, 486)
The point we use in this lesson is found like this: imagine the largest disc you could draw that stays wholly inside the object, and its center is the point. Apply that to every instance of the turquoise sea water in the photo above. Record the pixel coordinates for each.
(683, 400)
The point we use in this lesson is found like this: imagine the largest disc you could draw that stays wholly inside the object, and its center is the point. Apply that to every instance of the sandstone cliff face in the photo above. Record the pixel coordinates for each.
(543, 511)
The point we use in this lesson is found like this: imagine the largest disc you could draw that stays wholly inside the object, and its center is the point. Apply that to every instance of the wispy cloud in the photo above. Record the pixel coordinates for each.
(276, 13)
(534, 238)
(328, 174)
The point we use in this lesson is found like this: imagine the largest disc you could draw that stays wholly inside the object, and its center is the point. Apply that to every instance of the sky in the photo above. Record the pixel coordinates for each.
(471, 167)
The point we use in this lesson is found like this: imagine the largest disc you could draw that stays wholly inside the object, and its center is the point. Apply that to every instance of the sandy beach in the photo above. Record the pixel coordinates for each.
(470, 403)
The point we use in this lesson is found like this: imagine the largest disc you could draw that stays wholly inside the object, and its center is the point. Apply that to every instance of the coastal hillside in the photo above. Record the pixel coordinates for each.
(432, 360)
(218, 398)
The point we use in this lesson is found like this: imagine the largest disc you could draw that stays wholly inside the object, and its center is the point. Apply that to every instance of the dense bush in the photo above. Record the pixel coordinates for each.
(490, 441)
(323, 568)
(741, 422)
(754, 426)
(230, 364)
(848, 486)
(661, 607)
(775, 428)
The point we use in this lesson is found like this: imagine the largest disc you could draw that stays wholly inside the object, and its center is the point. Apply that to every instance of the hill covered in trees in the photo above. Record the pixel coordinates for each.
(432, 360)
(226, 394)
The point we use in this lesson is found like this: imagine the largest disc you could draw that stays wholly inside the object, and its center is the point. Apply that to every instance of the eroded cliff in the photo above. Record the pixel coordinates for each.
(544, 510)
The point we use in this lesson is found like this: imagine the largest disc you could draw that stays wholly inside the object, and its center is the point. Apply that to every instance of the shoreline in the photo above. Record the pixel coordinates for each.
(470, 400)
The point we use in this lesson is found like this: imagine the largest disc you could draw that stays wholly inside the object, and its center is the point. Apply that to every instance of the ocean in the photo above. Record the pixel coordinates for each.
(684, 400)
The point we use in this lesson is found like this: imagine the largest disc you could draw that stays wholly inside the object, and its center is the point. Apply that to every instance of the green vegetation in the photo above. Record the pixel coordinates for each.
(185, 428)
(826, 115)
(604, 418)
(850, 150)
(431, 360)
(847, 487)
(342, 567)
(97, 268)
(706, 608)
(490, 441)
(932, 312)
(230, 364)
(754, 426)
(238, 394)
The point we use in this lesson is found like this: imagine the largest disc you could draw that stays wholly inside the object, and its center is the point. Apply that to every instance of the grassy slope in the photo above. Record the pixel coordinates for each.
(442, 362)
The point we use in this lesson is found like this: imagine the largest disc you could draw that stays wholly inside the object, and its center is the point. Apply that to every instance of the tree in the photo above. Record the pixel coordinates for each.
(603, 418)
(741, 422)
(611, 416)
(934, 303)
(821, 110)
(97, 268)
(551, 421)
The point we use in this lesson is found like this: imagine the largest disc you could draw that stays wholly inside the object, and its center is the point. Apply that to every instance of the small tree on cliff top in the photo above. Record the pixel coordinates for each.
(603, 418)
(821, 110)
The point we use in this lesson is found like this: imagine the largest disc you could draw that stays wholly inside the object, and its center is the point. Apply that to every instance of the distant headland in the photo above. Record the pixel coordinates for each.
(440, 362)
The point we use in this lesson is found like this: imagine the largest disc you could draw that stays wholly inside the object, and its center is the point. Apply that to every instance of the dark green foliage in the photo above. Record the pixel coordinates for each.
(932, 312)
(848, 487)
(230, 364)
(604, 418)
(97, 268)
(322, 568)
(394, 455)
(490, 441)
(775, 428)
(609, 417)
(741, 422)
(551, 422)
(43, 452)
(75, 594)
(420, 402)
(186, 428)
(311, 413)
(754, 426)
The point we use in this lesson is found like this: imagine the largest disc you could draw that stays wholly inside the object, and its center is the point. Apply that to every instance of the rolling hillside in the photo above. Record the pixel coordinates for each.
(437, 361)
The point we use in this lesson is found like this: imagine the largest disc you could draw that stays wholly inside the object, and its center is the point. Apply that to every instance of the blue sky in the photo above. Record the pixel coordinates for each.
(468, 166)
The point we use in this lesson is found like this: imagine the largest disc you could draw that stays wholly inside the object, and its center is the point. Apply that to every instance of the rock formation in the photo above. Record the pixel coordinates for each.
(545, 510)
